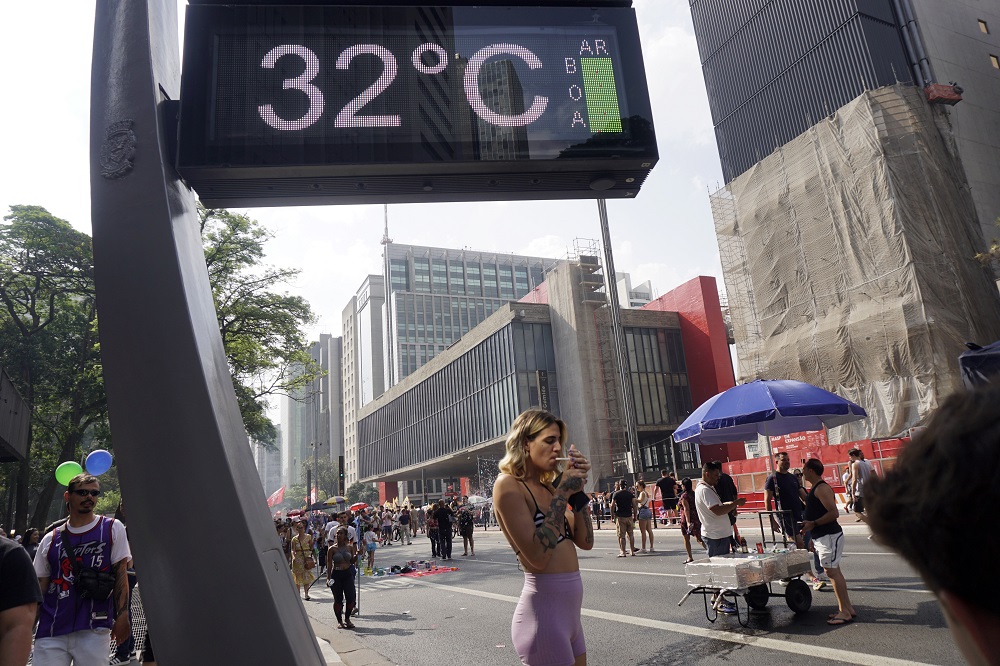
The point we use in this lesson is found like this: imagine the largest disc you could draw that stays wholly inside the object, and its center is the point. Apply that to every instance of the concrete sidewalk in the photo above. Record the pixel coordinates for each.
(343, 647)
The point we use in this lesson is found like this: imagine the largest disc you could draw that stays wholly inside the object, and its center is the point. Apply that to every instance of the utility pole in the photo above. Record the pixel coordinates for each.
(618, 335)
(390, 372)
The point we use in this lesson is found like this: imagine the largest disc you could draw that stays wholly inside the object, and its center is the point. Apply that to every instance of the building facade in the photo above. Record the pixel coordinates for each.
(549, 350)
(854, 199)
(437, 295)
(775, 68)
(362, 363)
(312, 425)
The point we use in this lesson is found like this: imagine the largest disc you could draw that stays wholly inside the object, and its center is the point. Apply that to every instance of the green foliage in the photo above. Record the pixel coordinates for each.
(108, 502)
(362, 492)
(49, 345)
(991, 256)
(262, 328)
(326, 481)
(294, 498)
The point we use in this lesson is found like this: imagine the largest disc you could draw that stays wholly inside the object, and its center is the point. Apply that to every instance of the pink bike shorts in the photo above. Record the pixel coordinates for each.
(546, 629)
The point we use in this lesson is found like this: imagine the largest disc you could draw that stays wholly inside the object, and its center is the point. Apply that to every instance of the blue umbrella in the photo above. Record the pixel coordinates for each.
(766, 407)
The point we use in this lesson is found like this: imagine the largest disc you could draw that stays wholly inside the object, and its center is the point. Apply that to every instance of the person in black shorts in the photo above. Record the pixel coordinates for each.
(667, 485)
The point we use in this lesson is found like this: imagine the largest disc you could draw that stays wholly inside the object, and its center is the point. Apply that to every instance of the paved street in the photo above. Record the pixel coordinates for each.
(631, 616)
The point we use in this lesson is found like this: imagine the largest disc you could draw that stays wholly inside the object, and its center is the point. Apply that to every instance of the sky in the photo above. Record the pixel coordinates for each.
(664, 235)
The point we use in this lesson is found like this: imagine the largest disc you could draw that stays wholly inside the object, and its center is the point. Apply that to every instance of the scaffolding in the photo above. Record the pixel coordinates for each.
(848, 257)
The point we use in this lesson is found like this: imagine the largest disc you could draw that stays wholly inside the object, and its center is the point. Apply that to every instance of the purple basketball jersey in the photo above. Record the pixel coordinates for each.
(63, 611)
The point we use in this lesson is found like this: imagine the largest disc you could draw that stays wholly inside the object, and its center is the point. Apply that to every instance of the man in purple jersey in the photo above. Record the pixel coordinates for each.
(77, 618)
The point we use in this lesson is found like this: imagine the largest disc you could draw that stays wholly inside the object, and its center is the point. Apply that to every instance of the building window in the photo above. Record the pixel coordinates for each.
(983, 27)
(995, 61)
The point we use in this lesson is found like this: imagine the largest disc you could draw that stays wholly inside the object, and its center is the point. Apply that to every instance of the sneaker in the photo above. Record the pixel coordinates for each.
(784, 582)
(643, 550)
(818, 584)
(727, 608)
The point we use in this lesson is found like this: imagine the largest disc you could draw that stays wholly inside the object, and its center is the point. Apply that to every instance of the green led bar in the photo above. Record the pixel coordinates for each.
(602, 94)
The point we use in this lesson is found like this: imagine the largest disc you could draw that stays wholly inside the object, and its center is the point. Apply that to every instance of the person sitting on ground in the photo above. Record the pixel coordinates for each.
(959, 451)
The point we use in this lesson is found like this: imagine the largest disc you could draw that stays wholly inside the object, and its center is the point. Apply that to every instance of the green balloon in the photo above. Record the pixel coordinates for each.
(66, 471)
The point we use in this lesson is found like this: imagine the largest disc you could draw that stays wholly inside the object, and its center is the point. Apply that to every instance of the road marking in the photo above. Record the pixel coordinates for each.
(786, 645)
(860, 587)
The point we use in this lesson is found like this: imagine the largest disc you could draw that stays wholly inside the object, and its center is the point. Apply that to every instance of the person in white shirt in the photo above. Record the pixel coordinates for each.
(716, 530)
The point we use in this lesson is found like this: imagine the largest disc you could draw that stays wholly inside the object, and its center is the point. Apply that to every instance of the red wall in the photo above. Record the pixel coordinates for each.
(723, 452)
(539, 294)
(706, 349)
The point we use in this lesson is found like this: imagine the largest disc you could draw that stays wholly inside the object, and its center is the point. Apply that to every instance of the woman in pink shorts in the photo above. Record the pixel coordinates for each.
(533, 500)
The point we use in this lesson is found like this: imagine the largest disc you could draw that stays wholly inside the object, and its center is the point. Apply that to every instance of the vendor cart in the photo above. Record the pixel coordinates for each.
(749, 577)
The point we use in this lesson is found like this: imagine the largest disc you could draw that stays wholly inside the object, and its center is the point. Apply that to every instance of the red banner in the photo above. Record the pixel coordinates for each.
(277, 497)
(799, 441)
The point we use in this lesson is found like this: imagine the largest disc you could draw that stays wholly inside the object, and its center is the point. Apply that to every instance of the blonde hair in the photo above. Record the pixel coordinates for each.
(525, 428)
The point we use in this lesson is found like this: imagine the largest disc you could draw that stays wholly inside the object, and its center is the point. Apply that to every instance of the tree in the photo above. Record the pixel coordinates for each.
(992, 255)
(326, 480)
(49, 345)
(262, 329)
(362, 492)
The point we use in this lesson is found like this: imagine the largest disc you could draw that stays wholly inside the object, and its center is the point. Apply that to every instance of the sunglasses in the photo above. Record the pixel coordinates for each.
(80, 492)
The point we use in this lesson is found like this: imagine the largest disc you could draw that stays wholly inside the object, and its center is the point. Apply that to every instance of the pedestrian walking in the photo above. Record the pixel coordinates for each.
(546, 627)
(623, 511)
(342, 556)
(302, 559)
(80, 614)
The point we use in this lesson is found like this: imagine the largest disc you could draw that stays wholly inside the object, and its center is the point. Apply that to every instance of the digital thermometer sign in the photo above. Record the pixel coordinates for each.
(356, 104)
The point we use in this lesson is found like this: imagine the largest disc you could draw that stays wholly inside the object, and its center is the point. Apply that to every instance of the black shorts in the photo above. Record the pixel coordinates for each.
(859, 504)
(670, 503)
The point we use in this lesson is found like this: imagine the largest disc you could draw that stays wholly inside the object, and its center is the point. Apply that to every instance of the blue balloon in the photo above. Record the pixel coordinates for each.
(98, 462)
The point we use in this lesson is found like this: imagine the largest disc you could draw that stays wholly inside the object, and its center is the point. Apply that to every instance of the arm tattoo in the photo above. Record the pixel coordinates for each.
(590, 528)
(548, 532)
(572, 484)
(121, 587)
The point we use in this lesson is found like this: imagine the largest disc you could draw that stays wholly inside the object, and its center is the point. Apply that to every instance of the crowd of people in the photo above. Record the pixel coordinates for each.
(335, 545)
(66, 592)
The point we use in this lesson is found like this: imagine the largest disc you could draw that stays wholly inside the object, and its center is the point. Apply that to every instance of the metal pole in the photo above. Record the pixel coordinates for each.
(618, 335)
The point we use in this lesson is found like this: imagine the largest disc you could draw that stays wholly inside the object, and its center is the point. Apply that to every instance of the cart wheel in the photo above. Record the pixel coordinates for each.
(757, 597)
(798, 596)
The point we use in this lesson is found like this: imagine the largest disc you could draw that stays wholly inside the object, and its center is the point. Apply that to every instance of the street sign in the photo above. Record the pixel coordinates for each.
(285, 105)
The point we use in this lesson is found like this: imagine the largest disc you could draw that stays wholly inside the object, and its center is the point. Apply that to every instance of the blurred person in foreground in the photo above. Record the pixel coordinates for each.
(960, 451)
(546, 629)
(19, 599)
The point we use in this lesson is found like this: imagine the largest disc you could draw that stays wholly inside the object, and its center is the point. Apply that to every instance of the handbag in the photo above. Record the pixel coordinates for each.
(310, 562)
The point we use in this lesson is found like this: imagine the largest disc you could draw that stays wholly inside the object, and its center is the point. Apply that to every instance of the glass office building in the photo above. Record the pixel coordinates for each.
(773, 69)
(471, 400)
(437, 295)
